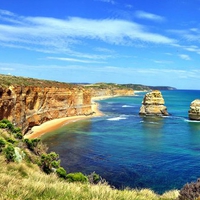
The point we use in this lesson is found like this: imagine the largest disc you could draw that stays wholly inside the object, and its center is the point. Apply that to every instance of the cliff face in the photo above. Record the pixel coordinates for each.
(194, 112)
(111, 92)
(153, 104)
(29, 106)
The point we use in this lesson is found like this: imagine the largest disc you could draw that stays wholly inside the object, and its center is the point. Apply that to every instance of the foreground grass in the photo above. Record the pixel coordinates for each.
(26, 181)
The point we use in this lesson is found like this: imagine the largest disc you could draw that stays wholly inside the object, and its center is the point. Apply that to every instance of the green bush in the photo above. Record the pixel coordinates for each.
(76, 177)
(2, 144)
(5, 121)
(31, 143)
(61, 172)
(9, 152)
(10, 140)
(190, 191)
(55, 164)
(10, 126)
(3, 125)
(19, 135)
(16, 130)
(95, 178)
(48, 162)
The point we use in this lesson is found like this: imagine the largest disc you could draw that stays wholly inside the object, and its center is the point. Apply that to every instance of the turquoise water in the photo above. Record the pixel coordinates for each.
(161, 153)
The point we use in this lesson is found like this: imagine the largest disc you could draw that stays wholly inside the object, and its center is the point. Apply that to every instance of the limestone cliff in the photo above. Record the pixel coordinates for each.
(103, 89)
(29, 102)
(153, 104)
(29, 106)
(194, 112)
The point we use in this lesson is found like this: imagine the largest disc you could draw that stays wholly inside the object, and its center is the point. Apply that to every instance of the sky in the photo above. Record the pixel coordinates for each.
(149, 42)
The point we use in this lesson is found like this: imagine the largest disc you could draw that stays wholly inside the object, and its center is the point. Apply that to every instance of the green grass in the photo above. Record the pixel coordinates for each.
(26, 181)
(8, 80)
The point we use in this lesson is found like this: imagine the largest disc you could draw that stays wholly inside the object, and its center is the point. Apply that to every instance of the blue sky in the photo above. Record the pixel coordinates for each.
(151, 42)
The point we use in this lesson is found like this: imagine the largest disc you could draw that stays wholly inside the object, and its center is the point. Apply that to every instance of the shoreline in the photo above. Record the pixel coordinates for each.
(44, 128)
(38, 131)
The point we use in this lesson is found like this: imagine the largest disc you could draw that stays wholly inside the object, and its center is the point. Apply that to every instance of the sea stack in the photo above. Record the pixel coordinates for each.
(194, 112)
(153, 104)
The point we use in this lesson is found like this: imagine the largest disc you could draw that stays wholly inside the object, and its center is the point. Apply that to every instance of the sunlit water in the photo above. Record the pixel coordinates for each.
(160, 153)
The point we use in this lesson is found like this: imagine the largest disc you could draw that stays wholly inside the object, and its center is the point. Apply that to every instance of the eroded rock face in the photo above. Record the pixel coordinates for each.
(153, 104)
(29, 106)
(194, 112)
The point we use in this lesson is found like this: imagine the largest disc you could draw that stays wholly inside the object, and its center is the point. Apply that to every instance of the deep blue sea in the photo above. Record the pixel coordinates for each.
(161, 153)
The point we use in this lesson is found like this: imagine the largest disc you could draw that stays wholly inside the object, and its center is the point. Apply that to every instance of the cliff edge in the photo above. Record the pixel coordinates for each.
(28, 102)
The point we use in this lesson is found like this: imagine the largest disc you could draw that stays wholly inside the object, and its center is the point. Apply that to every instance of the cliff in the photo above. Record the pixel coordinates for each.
(28, 106)
(153, 104)
(148, 88)
(194, 112)
(30, 102)
(109, 89)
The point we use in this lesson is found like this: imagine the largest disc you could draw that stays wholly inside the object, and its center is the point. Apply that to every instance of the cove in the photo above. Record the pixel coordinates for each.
(160, 153)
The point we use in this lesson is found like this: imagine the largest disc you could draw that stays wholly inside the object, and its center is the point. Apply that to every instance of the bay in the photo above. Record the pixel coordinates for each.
(160, 153)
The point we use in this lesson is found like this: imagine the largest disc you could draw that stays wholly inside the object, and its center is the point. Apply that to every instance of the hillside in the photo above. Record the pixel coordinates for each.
(28, 172)
(147, 88)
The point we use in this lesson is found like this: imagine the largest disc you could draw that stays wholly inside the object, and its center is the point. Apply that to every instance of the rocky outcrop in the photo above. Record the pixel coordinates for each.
(153, 104)
(194, 112)
(29, 106)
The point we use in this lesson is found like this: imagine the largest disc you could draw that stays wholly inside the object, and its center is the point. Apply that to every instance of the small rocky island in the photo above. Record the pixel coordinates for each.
(153, 104)
(194, 112)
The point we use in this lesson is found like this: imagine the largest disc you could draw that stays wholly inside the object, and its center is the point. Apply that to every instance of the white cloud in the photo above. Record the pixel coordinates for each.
(163, 61)
(184, 57)
(149, 16)
(108, 1)
(51, 34)
(73, 60)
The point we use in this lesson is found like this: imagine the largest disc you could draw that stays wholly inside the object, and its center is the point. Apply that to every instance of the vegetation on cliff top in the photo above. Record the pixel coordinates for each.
(8, 80)
(28, 172)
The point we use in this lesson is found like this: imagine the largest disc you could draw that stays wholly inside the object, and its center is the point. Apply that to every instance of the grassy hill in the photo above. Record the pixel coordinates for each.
(28, 172)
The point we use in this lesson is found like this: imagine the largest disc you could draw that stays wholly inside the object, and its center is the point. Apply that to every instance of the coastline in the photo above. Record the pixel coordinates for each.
(38, 131)
(54, 124)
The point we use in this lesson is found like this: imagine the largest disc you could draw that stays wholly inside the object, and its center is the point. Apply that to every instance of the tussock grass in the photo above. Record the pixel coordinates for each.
(26, 181)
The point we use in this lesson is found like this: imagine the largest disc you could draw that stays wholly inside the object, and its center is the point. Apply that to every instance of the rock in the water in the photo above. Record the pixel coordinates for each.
(194, 112)
(153, 104)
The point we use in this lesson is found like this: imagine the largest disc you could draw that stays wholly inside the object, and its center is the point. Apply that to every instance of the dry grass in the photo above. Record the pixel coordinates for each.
(26, 181)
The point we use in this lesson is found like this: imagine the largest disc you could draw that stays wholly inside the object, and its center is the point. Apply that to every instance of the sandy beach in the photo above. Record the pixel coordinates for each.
(54, 124)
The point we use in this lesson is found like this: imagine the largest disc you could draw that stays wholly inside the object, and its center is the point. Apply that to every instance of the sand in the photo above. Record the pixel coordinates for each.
(54, 124)
(38, 131)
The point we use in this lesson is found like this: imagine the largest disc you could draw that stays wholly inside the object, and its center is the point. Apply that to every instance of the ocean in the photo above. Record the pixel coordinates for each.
(160, 153)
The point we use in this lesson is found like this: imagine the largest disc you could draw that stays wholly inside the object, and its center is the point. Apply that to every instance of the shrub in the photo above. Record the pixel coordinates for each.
(61, 172)
(10, 126)
(16, 130)
(94, 178)
(9, 153)
(77, 177)
(31, 143)
(48, 162)
(3, 125)
(10, 140)
(5, 121)
(19, 135)
(190, 191)
(2, 144)
(55, 164)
